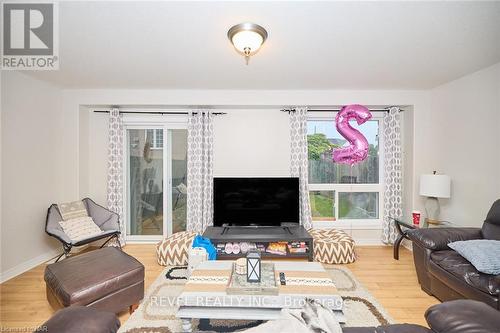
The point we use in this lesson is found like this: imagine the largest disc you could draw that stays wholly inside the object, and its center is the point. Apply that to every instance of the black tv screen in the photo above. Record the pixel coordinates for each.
(256, 201)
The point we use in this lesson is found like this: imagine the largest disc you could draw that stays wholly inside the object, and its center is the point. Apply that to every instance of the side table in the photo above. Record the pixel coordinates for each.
(403, 228)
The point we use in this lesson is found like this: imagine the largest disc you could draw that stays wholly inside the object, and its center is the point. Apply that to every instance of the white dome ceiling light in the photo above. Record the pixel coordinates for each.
(247, 38)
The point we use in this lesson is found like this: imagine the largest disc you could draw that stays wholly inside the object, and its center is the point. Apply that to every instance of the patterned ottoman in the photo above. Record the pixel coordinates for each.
(174, 250)
(332, 246)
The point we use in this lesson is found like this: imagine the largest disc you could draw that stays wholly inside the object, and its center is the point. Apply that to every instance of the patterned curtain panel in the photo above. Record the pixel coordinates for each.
(393, 178)
(115, 168)
(200, 171)
(299, 161)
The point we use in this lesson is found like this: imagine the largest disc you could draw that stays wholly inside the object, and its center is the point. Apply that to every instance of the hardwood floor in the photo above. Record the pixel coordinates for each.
(393, 283)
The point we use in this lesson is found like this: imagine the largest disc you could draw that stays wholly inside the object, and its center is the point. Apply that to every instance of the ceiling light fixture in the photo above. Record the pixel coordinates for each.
(247, 38)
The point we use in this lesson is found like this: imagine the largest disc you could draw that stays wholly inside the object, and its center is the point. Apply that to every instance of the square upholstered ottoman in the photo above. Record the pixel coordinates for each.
(106, 279)
(333, 246)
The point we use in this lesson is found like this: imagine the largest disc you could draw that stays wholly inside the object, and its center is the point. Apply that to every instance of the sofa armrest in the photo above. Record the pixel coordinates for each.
(463, 316)
(103, 217)
(436, 239)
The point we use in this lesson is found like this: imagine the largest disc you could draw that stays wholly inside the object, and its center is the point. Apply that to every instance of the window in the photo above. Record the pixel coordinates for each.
(155, 138)
(338, 192)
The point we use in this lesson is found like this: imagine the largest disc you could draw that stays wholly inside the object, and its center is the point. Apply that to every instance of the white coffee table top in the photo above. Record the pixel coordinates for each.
(206, 288)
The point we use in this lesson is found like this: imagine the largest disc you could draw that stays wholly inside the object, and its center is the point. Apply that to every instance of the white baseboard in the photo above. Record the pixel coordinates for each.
(368, 242)
(27, 265)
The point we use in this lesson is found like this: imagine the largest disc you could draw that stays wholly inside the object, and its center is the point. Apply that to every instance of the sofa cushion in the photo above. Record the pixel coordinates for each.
(484, 254)
(87, 277)
(81, 319)
(455, 264)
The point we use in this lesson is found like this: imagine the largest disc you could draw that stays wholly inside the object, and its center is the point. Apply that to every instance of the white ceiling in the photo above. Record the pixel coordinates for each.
(311, 45)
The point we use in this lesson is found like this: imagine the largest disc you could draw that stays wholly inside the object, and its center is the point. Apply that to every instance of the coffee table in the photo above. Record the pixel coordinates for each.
(204, 295)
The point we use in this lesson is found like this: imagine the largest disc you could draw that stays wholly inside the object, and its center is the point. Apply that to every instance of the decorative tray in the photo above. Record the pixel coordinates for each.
(238, 284)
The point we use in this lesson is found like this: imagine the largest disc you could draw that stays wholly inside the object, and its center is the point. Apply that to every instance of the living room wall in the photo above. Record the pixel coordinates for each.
(465, 129)
(252, 139)
(246, 143)
(74, 155)
(31, 162)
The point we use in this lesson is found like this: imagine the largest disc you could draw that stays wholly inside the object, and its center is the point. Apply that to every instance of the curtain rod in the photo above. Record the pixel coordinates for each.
(337, 110)
(157, 112)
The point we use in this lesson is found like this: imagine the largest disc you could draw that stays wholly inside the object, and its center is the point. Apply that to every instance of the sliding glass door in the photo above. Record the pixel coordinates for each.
(146, 164)
(156, 172)
(178, 137)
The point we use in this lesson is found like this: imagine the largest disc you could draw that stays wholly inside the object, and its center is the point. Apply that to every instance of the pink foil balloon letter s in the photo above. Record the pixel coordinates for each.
(357, 150)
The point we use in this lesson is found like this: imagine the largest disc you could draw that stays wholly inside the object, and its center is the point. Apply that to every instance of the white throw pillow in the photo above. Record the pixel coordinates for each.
(72, 210)
(80, 228)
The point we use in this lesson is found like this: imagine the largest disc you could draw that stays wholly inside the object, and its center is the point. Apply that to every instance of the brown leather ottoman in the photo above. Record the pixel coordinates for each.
(106, 279)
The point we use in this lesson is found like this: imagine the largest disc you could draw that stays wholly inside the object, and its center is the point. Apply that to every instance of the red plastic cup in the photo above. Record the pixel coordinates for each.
(416, 217)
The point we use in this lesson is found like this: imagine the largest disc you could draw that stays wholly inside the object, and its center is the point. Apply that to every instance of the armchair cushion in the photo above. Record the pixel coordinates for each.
(103, 217)
(463, 316)
(438, 238)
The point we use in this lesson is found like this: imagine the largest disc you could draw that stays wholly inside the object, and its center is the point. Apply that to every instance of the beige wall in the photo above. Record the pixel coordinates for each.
(464, 128)
(251, 140)
(254, 143)
(93, 155)
(31, 163)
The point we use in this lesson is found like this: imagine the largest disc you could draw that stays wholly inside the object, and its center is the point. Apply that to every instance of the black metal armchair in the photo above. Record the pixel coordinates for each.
(105, 219)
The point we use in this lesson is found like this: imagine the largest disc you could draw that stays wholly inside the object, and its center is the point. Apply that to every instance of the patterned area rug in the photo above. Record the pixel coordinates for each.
(156, 314)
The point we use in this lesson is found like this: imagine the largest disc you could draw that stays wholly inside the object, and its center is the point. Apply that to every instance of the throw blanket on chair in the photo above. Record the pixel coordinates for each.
(312, 318)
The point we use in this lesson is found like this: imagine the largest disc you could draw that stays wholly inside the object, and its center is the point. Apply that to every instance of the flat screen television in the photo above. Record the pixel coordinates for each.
(256, 201)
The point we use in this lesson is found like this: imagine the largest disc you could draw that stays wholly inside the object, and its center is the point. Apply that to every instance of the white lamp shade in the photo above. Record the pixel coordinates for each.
(438, 186)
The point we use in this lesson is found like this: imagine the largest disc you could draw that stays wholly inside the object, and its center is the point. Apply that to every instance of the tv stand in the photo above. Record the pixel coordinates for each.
(225, 229)
(261, 235)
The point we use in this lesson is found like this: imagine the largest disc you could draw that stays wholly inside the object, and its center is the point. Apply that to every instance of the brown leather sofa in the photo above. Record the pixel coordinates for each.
(460, 316)
(444, 273)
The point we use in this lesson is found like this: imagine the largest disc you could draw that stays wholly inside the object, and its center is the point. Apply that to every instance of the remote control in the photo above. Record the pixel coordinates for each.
(282, 279)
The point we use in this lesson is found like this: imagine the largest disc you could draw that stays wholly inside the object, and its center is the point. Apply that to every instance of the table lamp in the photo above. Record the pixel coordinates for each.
(433, 187)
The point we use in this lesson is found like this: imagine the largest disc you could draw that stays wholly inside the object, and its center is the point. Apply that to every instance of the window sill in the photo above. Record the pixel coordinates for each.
(346, 224)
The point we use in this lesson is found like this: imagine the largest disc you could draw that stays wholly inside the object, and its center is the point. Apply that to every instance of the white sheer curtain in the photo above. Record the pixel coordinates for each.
(393, 177)
(299, 161)
(115, 168)
(200, 171)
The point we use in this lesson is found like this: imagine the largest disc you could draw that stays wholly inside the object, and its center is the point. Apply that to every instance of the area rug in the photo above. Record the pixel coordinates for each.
(156, 314)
